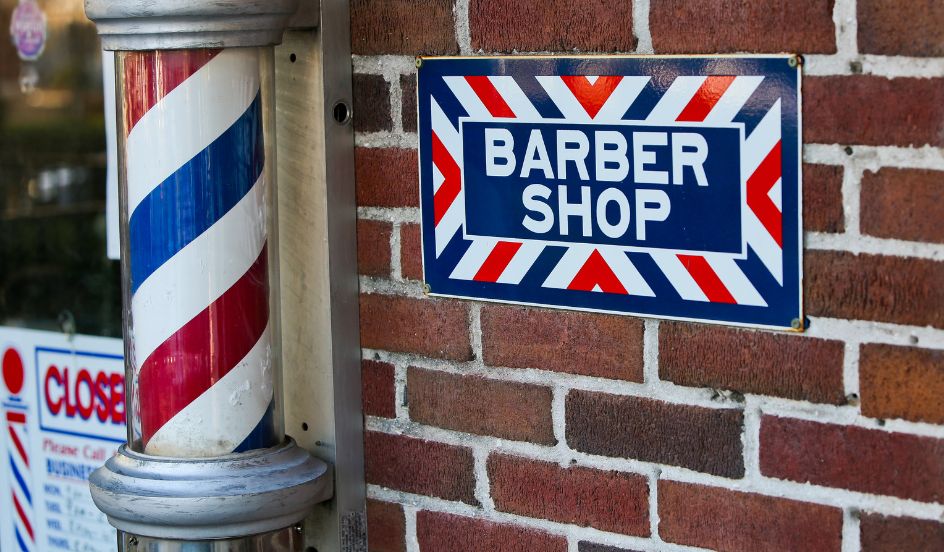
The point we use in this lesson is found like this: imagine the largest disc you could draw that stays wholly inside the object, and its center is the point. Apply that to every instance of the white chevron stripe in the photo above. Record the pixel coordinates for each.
(438, 178)
(225, 414)
(675, 99)
(626, 271)
(526, 256)
(446, 133)
(563, 98)
(474, 258)
(198, 111)
(450, 224)
(515, 98)
(763, 139)
(467, 97)
(565, 270)
(680, 278)
(733, 99)
(764, 245)
(735, 280)
(776, 194)
(199, 273)
(622, 97)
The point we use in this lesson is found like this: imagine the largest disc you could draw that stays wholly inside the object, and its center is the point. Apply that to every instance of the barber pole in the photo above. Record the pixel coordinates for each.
(196, 204)
(22, 497)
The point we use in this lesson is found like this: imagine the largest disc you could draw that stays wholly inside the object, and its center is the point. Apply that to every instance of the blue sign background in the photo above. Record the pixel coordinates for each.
(497, 212)
(700, 218)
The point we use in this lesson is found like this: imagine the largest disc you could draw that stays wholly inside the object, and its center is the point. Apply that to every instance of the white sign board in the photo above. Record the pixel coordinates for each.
(63, 405)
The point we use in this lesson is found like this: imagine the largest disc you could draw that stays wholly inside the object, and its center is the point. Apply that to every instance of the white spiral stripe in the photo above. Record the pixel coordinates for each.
(189, 118)
(198, 274)
(225, 414)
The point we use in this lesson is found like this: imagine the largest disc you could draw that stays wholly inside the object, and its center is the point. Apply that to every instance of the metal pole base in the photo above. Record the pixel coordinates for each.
(284, 540)
(202, 499)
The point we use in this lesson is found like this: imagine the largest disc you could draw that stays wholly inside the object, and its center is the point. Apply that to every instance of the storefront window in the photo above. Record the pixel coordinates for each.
(54, 273)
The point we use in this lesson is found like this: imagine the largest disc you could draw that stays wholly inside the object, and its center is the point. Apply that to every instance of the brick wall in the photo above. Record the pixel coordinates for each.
(493, 427)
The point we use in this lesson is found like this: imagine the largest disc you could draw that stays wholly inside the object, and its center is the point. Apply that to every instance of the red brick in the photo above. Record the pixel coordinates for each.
(906, 204)
(710, 26)
(373, 248)
(386, 527)
(897, 28)
(408, 105)
(748, 361)
(435, 328)
(411, 252)
(377, 390)
(822, 198)
(869, 110)
(419, 467)
(386, 177)
(701, 439)
(552, 25)
(371, 103)
(901, 290)
(854, 458)
(440, 532)
(895, 534)
(403, 27)
(729, 521)
(902, 382)
(605, 500)
(579, 343)
(509, 410)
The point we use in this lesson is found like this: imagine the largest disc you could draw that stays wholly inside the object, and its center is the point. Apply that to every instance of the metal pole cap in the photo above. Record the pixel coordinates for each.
(177, 24)
(210, 498)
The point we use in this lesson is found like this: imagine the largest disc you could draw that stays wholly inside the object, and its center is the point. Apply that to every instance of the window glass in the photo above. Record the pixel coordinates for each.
(54, 273)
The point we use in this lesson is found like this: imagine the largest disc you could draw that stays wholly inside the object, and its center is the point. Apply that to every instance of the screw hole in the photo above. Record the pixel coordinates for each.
(311, 549)
(304, 426)
(292, 57)
(342, 114)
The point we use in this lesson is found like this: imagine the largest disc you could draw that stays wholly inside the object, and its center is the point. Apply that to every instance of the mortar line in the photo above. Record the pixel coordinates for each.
(641, 27)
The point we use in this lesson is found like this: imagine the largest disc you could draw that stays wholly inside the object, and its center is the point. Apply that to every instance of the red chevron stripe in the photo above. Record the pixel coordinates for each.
(705, 99)
(489, 96)
(497, 261)
(23, 518)
(591, 96)
(150, 75)
(450, 187)
(758, 190)
(596, 272)
(205, 349)
(19, 445)
(707, 279)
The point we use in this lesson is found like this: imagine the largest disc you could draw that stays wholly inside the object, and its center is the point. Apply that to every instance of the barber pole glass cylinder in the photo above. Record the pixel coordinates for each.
(197, 183)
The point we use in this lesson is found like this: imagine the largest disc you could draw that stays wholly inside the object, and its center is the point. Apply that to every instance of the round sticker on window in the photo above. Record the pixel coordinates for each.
(28, 30)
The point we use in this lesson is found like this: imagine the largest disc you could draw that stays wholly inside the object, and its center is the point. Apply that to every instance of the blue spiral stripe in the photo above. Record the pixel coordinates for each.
(19, 479)
(197, 195)
(19, 540)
